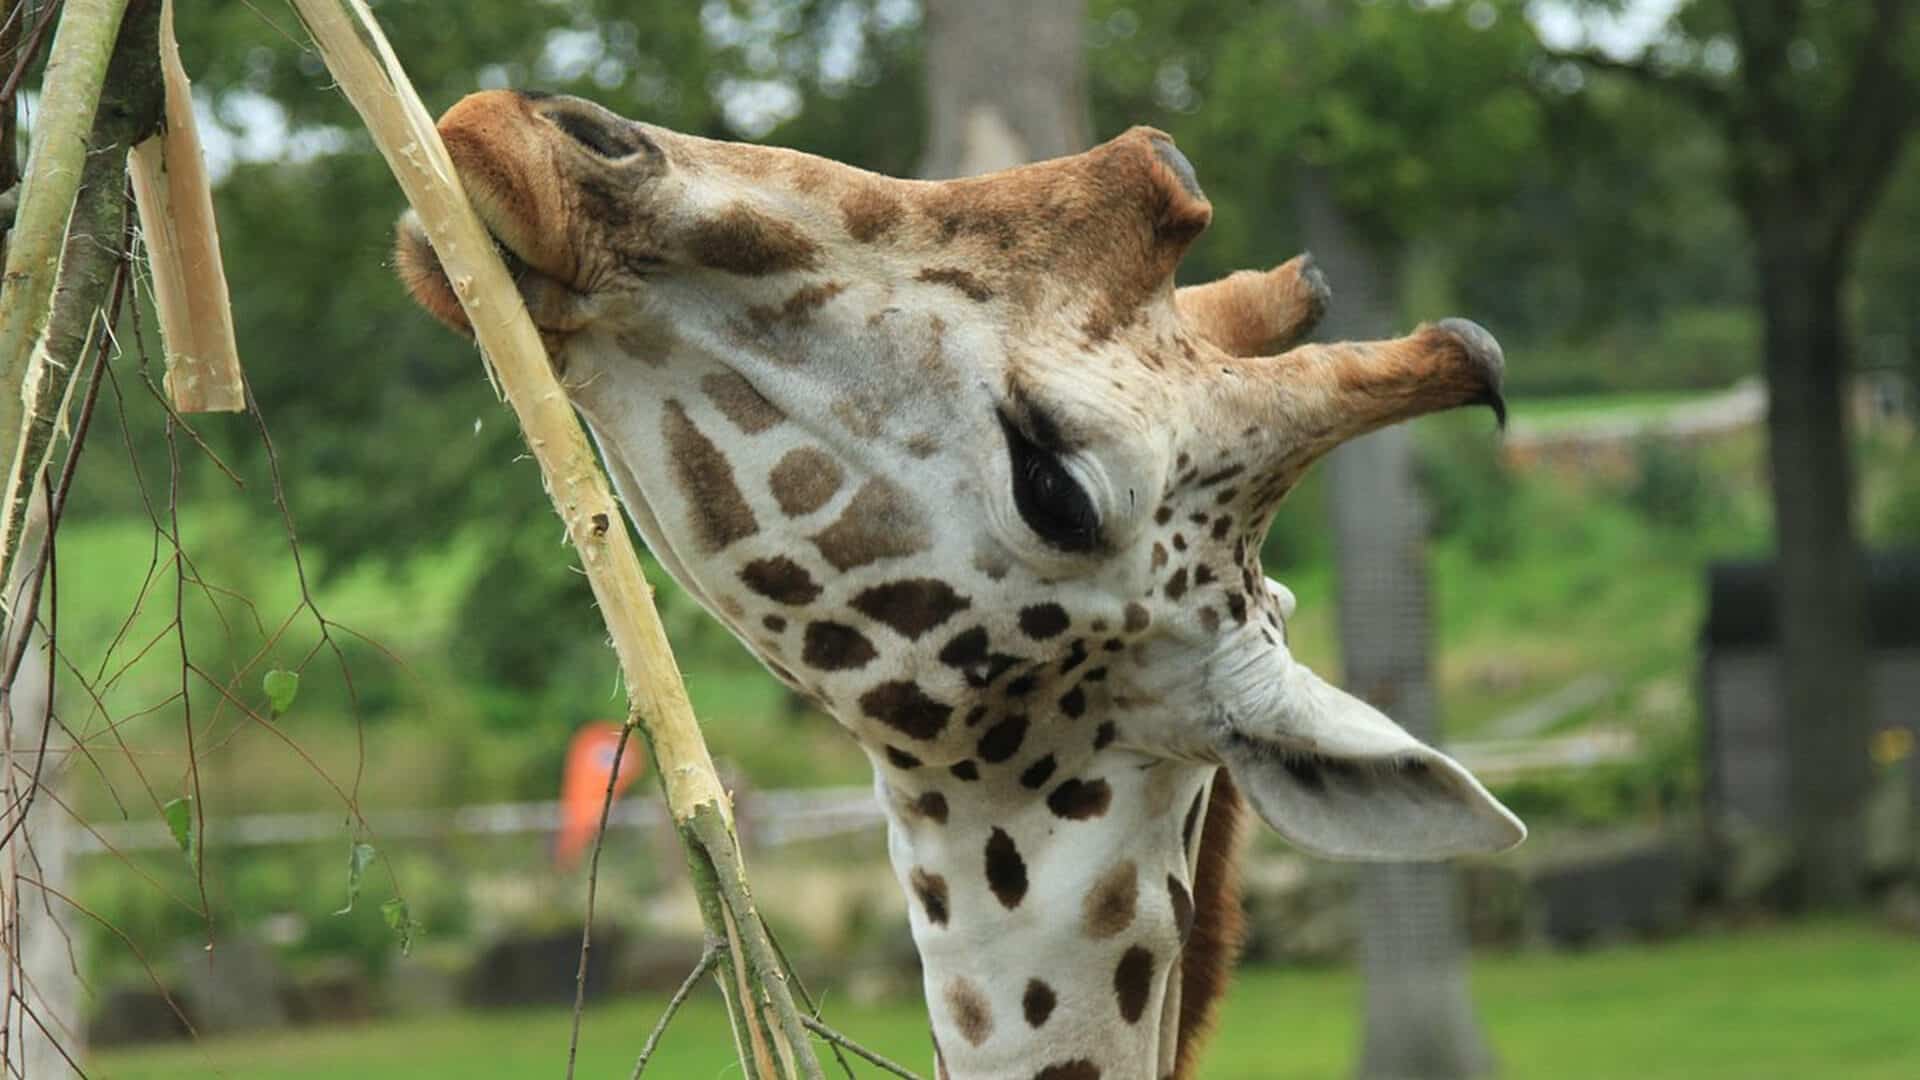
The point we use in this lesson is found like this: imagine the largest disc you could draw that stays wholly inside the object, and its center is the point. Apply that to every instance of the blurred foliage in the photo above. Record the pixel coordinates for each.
(1671, 486)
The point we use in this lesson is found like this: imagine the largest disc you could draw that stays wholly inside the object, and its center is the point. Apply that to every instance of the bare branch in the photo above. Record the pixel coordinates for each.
(709, 956)
(834, 1037)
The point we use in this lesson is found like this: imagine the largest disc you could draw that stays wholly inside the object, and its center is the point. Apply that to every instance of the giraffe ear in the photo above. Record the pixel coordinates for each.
(1334, 776)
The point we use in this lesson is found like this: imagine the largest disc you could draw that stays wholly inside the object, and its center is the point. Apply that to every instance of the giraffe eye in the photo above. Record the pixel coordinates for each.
(1049, 499)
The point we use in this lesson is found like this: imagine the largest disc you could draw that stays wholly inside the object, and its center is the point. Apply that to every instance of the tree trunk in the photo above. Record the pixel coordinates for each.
(1420, 1023)
(1819, 577)
(1006, 84)
(43, 1024)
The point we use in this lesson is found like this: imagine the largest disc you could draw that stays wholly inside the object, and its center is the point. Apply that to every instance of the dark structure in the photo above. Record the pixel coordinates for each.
(1746, 739)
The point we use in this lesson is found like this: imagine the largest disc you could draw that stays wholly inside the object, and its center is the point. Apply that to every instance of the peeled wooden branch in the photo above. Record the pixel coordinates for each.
(183, 249)
(761, 1006)
(69, 94)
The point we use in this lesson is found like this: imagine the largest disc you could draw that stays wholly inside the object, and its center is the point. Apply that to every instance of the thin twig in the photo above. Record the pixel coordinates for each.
(593, 886)
(814, 1025)
(709, 956)
(806, 998)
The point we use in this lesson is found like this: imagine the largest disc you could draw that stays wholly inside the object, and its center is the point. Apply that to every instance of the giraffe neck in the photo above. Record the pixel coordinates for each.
(1046, 941)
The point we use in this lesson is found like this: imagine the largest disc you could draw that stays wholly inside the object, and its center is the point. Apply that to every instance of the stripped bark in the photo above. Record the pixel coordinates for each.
(171, 188)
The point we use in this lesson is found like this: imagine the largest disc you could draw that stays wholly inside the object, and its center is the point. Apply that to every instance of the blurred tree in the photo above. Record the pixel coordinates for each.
(1006, 82)
(1815, 104)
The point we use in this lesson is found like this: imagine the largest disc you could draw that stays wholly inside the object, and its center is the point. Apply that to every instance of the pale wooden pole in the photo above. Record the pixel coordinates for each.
(767, 1024)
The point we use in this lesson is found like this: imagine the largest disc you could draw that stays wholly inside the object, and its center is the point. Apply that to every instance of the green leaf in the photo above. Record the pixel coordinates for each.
(179, 815)
(358, 859)
(400, 921)
(282, 687)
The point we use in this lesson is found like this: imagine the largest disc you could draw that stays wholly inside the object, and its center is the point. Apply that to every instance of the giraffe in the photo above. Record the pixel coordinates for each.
(958, 461)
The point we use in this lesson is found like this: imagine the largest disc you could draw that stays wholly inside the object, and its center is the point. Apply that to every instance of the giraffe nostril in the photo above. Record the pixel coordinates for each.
(595, 134)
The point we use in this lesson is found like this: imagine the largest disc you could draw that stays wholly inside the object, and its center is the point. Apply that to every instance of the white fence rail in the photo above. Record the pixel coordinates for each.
(772, 818)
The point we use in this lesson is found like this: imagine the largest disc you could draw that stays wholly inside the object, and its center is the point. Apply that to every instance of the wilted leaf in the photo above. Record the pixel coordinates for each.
(400, 921)
(282, 687)
(358, 859)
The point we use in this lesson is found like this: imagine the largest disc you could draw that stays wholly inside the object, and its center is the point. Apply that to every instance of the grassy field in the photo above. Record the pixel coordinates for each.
(1832, 1000)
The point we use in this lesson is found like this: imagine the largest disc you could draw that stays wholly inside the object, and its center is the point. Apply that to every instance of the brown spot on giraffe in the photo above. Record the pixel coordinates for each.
(1042, 621)
(1133, 983)
(906, 708)
(969, 286)
(740, 403)
(970, 1011)
(797, 308)
(832, 646)
(1003, 739)
(880, 522)
(804, 479)
(743, 240)
(1006, 870)
(1037, 1002)
(870, 211)
(781, 580)
(719, 512)
(1108, 907)
(1078, 800)
(932, 890)
(933, 806)
(912, 606)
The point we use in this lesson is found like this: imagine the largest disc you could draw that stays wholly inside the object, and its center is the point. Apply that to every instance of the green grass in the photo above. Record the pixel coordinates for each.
(1551, 413)
(1826, 1000)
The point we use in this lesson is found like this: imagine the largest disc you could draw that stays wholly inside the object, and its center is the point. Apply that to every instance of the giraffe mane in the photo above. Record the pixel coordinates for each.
(1219, 923)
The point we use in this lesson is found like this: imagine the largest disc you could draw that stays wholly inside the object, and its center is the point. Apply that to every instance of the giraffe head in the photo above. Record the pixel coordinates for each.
(957, 460)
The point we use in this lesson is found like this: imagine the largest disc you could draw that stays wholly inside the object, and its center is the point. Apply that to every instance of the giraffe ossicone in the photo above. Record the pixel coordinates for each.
(958, 460)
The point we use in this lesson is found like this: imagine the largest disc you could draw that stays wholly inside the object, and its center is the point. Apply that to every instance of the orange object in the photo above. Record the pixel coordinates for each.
(583, 790)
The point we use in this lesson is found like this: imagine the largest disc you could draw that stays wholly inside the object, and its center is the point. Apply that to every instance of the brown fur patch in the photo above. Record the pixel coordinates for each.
(869, 212)
(906, 708)
(1108, 907)
(1078, 800)
(742, 240)
(1218, 923)
(932, 891)
(1003, 739)
(911, 607)
(705, 477)
(1037, 1002)
(804, 479)
(1133, 983)
(781, 580)
(797, 308)
(970, 1011)
(739, 402)
(830, 646)
(880, 523)
(1006, 870)
(933, 806)
(972, 287)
